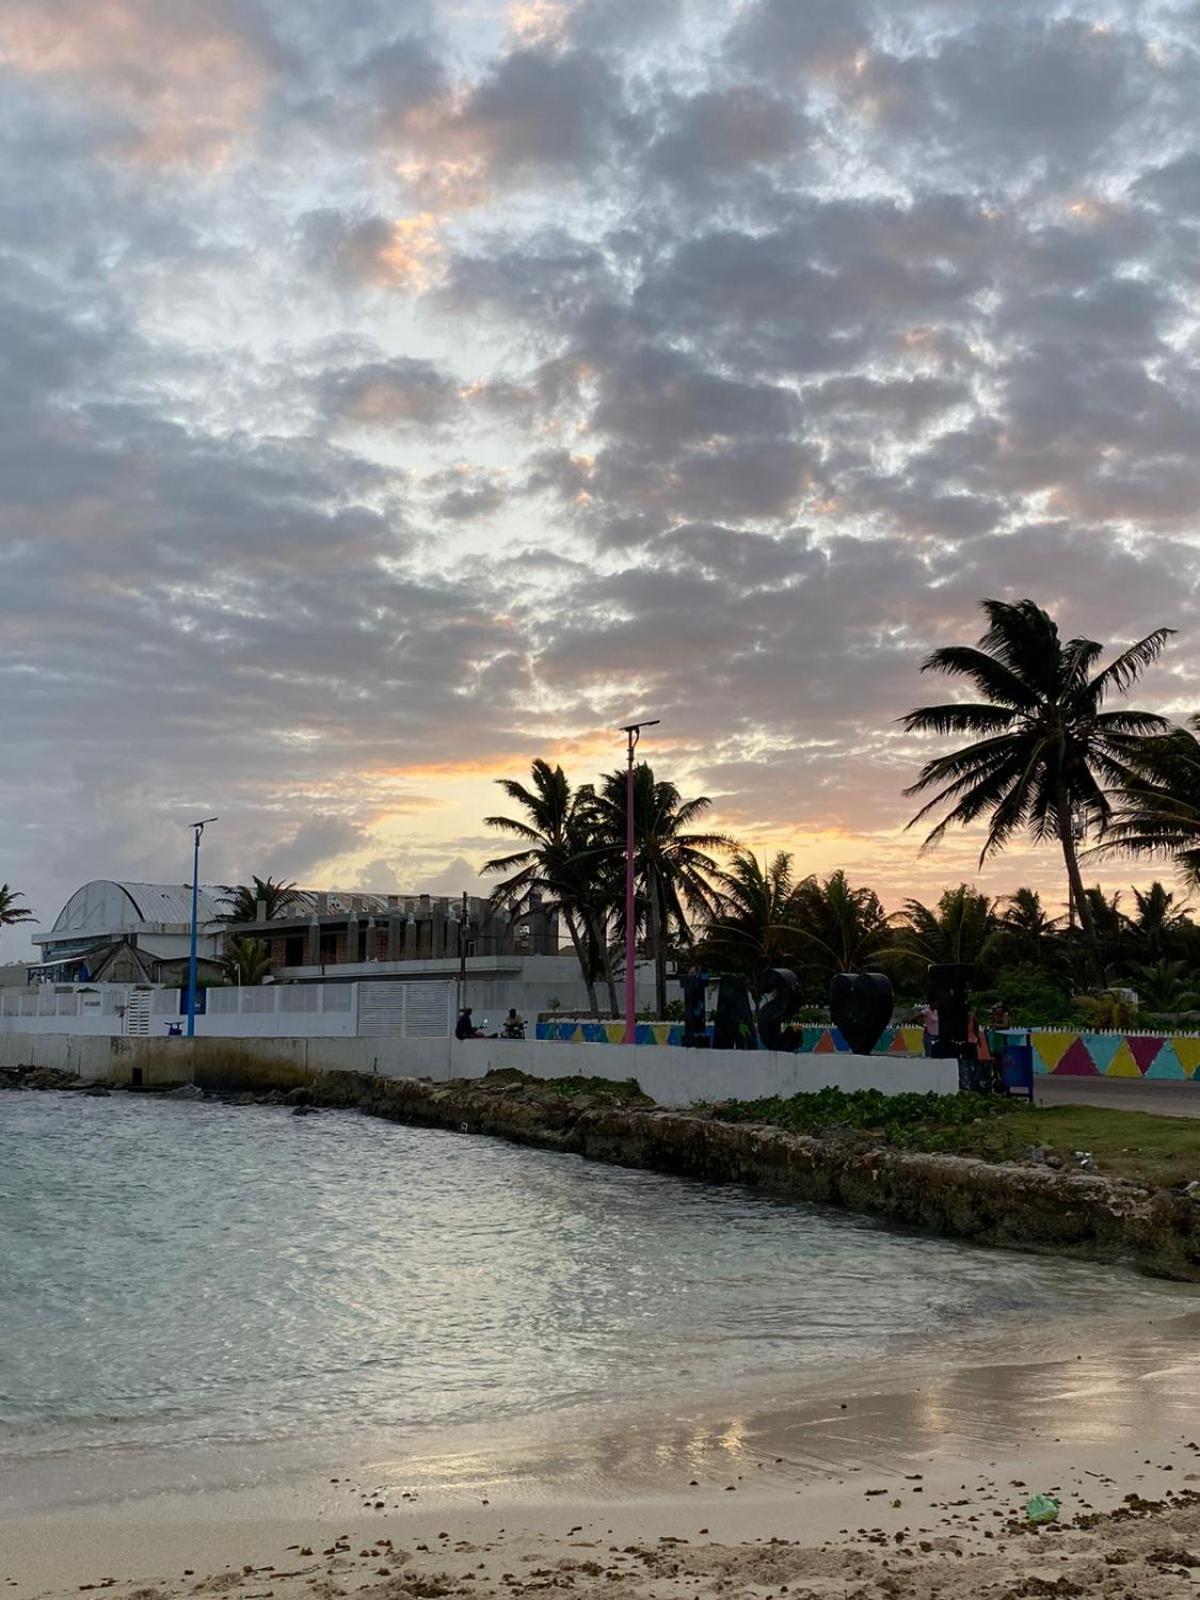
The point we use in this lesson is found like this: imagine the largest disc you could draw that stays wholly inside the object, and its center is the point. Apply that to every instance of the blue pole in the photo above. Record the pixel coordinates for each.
(191, 1003)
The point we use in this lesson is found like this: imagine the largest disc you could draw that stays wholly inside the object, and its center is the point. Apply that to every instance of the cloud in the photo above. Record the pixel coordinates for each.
(402, 253)
(402, 392)
(721, 133)
(179, 84)
(386, 402)
(318, 841)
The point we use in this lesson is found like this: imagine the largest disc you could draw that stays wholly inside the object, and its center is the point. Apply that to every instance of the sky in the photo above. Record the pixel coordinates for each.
(395, 392)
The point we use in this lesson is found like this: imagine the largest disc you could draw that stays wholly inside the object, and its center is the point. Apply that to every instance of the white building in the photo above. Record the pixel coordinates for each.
(146, 924)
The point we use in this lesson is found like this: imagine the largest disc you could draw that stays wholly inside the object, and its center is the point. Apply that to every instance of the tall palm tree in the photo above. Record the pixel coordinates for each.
(10, 912)
(242, 899)
(1044, 754)
(840, 928)
(674, 866)
(1158, 811)
(556, 834)
(961, 928)
(754, 924)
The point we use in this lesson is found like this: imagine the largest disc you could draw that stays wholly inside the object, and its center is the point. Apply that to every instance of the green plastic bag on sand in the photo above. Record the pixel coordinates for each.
(1042, 1508)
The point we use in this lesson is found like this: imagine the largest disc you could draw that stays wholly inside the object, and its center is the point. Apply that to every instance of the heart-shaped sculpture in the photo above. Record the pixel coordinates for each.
(860, 1004)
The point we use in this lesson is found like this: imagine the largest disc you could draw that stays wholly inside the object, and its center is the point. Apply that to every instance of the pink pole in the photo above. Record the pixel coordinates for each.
(630, 910)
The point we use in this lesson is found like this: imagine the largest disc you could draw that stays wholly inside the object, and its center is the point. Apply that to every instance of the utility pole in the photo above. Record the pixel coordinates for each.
(462, 955)
(197, 829)
(632, 732)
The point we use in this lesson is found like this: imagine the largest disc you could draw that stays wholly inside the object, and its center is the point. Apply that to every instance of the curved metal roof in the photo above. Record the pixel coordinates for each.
(105, 905)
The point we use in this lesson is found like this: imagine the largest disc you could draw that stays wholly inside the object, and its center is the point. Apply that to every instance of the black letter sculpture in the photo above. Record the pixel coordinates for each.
(695, 1026)
(860, 1004)
(733, 1025)
(780, 991)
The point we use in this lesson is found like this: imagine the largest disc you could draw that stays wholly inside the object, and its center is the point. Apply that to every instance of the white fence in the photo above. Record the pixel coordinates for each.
(274, 1011)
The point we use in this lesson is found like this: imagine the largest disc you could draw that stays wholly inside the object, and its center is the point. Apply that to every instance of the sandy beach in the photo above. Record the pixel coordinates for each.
(865, 1492)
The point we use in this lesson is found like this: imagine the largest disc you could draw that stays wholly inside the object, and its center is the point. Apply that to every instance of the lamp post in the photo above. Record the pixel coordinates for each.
(632, 732)
(197, 829)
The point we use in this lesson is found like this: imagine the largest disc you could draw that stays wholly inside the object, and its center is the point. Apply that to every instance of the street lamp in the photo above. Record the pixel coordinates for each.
(197, 829)
(632, 732)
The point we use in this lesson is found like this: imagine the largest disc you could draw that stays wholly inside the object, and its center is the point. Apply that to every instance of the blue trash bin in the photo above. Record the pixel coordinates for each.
(1016, 1067)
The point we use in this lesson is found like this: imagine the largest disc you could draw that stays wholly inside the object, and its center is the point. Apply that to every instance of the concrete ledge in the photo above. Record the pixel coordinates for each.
(672, 1077)
(678, 1078)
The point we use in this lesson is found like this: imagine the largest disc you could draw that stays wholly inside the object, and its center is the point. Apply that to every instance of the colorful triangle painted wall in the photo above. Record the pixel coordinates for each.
(1102, 1047)
(1075, 1061)
(1123, 1063)
(1144, 1047)
(1051, 1047)
(1166, 1063)
(1187, 1052)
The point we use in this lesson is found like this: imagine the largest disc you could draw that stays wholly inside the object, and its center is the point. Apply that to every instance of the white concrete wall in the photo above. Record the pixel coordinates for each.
(88, 1058)
(678, 1077)
(272, 1025)
(672, 1077)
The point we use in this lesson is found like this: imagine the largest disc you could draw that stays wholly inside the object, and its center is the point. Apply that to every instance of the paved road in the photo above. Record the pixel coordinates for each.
(1162, 1097)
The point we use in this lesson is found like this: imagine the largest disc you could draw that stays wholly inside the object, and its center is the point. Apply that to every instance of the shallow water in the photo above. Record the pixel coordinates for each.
(184, 1274)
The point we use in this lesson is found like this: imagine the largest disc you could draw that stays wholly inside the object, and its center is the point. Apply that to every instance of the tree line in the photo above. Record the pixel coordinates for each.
(1050, 757)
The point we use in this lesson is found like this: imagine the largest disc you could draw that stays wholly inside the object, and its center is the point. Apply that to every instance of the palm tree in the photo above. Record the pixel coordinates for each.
(674, 868)
(1044, 754)
(243, 898)
(961, 928)
(1164, 985)
(556, 835)
(10, 912)
(1158, 811)
(840, 928)
(1112, 943)
(753, 927)
(1158, 923)
(1029, 935)
(247, 960)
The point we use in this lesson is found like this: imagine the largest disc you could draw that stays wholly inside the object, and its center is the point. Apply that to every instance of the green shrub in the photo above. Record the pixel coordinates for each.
(1030, 994)
(902, 1119)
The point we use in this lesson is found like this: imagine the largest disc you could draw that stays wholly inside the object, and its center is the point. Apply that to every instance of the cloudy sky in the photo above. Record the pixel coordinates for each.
(393, 392)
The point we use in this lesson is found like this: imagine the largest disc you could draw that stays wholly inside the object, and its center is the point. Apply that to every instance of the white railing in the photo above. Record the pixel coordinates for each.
(381, 1009)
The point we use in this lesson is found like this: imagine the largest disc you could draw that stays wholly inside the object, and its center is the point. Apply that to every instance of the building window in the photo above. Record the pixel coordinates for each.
(293, 951)
(328, 948)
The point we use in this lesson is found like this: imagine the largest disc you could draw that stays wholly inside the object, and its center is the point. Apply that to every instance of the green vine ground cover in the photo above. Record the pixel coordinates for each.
(1157, 1151)
(1161, 1152)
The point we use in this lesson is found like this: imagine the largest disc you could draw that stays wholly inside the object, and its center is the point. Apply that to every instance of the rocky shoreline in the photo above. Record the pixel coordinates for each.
(1033, 1207)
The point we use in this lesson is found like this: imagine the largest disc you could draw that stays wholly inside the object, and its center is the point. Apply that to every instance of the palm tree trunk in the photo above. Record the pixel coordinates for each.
(658, 950)
(599, 931)
(581, 955)
(1075, 879)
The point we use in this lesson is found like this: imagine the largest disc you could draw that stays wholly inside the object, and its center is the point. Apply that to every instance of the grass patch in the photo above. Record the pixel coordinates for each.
(628, 1091)
(1158, 1151)
(897, 1117)
(1161, 1151)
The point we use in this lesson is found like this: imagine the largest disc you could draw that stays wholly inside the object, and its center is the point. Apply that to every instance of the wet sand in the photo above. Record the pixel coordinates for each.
(914, 1490)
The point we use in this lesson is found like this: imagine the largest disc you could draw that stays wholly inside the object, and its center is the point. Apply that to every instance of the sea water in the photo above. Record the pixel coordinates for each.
(177, 1274)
